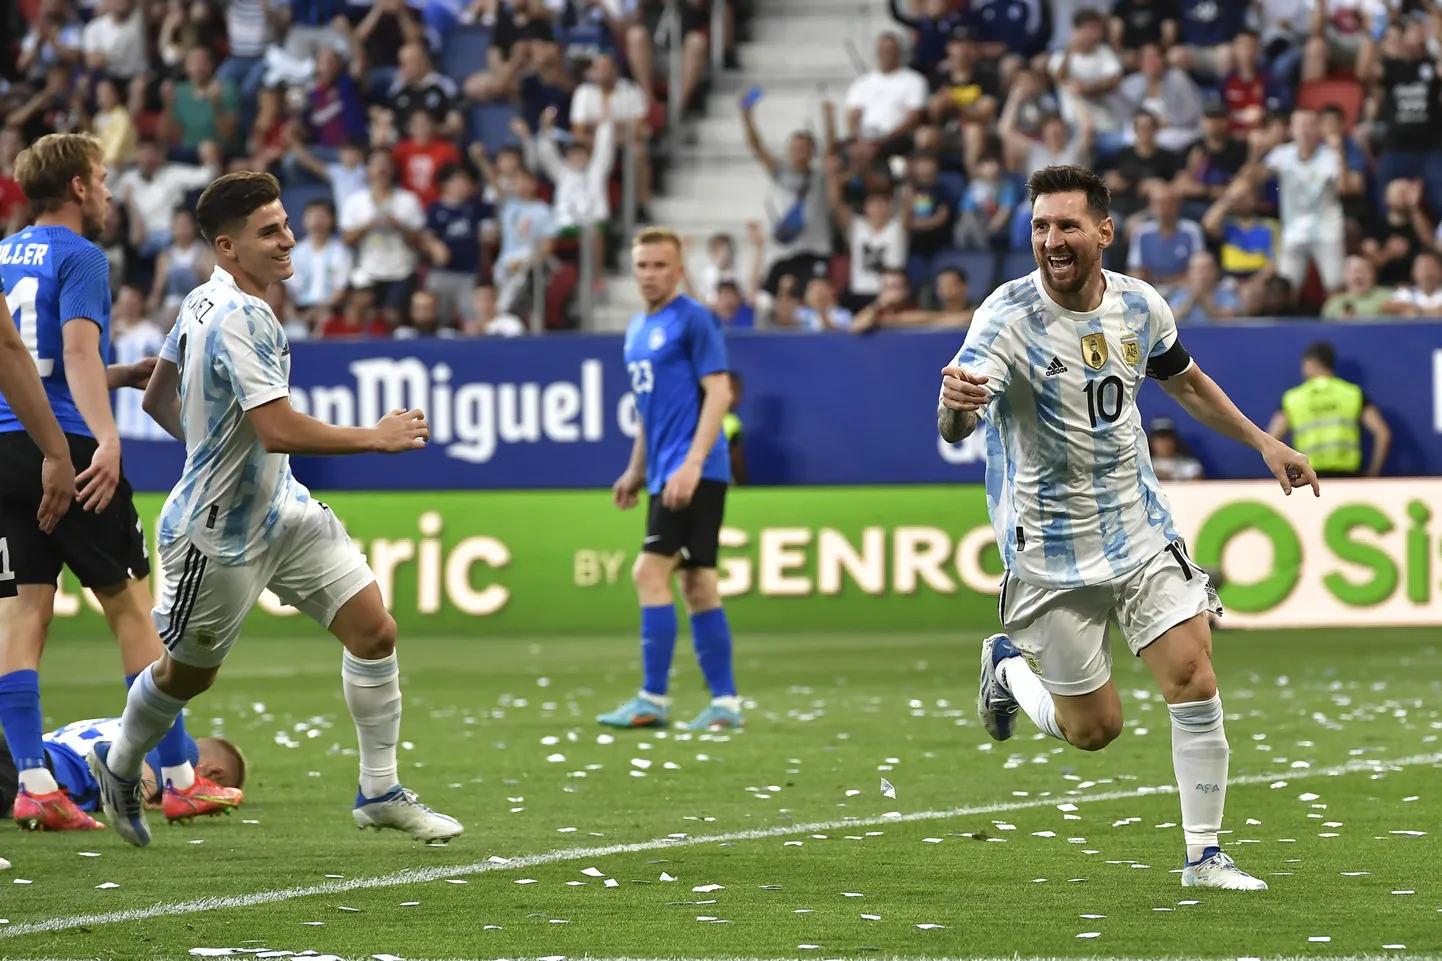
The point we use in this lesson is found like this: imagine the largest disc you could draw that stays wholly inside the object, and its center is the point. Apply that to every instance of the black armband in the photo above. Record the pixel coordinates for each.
(1169, 364)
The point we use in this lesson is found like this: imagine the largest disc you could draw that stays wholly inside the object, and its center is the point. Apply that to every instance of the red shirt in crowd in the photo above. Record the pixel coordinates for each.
(420, 166)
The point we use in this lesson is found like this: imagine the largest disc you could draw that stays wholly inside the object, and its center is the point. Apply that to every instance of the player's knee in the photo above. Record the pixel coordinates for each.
(1094, 734)
(376, 641)
(1190, 678)
(180, 680)
(650, 573)
(699, 590)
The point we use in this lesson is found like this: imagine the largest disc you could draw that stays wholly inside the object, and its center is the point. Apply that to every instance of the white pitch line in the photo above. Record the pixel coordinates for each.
(822, 955)
(423, 875)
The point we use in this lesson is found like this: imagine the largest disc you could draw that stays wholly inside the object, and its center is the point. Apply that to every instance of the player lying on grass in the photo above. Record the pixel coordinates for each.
(238, 521)
(1052, 364)
(67, 752)
(676, 357)
(57, 286)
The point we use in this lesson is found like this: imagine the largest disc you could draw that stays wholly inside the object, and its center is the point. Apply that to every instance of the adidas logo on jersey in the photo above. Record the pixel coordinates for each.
(1055, 367)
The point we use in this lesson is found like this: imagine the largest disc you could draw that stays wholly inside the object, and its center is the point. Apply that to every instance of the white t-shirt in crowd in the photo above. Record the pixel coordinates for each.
(383, 254)
(1416, 297)
(121, 41)
(873, 252)
(885, 99)
(1101, 64)
(1308, 190)
(628, 103)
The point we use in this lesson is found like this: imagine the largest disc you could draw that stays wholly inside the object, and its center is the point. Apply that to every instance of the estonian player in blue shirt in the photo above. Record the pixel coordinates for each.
(57, 287)
(677, 362)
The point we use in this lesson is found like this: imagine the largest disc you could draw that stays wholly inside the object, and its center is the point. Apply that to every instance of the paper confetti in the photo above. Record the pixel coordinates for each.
(871, 917)
(707, 888)
(1090, 934)
(612, 883)
(111, 884)
(593, 872)
(930, 927)
(666, 877)
(887, 790)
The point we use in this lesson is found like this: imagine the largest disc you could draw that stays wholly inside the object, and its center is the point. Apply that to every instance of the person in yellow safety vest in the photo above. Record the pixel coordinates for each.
(1326, 415)
(731, 427)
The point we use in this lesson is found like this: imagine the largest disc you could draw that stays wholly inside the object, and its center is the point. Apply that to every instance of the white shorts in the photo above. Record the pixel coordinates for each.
(1064, 634)
(203, 604)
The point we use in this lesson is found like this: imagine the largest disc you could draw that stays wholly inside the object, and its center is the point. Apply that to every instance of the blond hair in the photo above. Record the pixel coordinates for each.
(658, 235)
(45, 169)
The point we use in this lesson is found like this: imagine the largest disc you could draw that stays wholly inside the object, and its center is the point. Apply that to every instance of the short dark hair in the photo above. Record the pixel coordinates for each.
(955, 269)
(230, 200)
(1069, 178)
(1323, 353)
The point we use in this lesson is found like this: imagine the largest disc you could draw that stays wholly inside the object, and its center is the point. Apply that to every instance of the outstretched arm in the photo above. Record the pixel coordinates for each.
(1200, 396)
(162, 398)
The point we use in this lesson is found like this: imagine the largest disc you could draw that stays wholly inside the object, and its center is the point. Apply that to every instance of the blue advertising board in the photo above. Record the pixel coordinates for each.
(557, 412)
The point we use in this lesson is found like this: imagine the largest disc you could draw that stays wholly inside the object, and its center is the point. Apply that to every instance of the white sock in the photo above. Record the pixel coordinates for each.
(1199, 756)
(181, 777)
(38, 780)
(660, 700)
(149, 714)
(731, 702)
(373, 694)
(1018, 678)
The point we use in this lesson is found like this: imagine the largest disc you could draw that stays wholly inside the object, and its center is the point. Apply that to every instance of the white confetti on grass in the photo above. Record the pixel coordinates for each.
(707, 888)
(930, 927)
(888, 790)
(106, 885)
(1090, 934)
(593, 872)
(1320, 938)
(871, 917)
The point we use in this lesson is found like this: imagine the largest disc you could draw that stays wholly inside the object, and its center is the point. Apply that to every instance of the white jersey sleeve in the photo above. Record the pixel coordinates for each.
(1166, 358)
(170, 350)
(249, 349)
(990, 346)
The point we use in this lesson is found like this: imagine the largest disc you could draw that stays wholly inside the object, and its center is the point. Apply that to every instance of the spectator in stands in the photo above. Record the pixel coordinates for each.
(720, 265)
(1398, 233)
(277, 296)
(731, 308)
(986, 207)
(1338, 33)
(418, 88)
(112, 124)
(1310, 179)
(201, 108)
(1283, 26)
(608, 95)
(1360, 297)
(543, 83)
(581, 201)
(1248, 241)
(383, 223)
(1249, 91)
(877, 239)
(181, 267)
(884, 107)
(55, 108)
(1171, 459)
(1140, 26)
(134, 337)
(270, 133)
(116, 40)
(1161, 249)
(379, 38)
(1411, 110)
(55, 35)
(1009, 32)
(357, 317)
(928, 209)
(1268, 295)
(486, 320)
(151, 192)
(893, 302)
(14, 208)
(1207, 28)
(314, 26)
(964, 94)
(421, 157)
(186, 26)
(1205, 295)
(1325, 416)
(528, 227)
(934, 26)
(322, 266)
(798, 194)
(1087, 74)
(1167, 94)
(458, 224)
(1134, 171)
(951, 307)
(1424, 297)
(820, 310)
(335, 111)
(1058, 144)
(1213, 164)
(423, 319)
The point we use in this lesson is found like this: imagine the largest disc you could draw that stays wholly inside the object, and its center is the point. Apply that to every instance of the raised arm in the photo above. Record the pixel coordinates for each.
(753, 140)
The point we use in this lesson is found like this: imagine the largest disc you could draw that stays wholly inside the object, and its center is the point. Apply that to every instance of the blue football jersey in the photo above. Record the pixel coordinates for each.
(51, 276)
(69, 748)
(667, 354)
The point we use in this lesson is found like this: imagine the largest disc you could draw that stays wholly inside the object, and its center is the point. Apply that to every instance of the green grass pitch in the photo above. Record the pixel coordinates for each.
(772, 843)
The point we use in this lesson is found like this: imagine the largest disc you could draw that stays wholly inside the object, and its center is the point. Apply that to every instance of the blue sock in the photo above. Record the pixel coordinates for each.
(711, 635)
(20, 718)
(177, 747)
(658, 643)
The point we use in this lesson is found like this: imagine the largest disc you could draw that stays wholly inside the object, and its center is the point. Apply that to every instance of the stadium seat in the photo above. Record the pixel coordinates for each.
(490, 123)
(1014, 264)
(297, 197)
(1346, 94)
(463, 51)
(978, 265)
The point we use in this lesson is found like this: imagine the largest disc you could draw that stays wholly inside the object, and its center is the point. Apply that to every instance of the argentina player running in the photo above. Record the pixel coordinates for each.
(677, 361)
(239, 522)
(1052, 364)
(58, 290)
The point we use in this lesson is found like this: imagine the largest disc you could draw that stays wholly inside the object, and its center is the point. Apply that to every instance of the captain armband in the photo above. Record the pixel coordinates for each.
(1171, 362)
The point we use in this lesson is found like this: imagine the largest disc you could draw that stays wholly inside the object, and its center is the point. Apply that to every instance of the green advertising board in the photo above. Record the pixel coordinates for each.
(548, 562)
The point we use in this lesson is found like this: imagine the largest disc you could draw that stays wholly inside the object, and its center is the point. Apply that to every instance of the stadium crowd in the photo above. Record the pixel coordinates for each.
(1266, 158)
(435, 154)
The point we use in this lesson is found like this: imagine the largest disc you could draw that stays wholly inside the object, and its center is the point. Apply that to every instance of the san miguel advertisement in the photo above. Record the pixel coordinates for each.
(1367, 553)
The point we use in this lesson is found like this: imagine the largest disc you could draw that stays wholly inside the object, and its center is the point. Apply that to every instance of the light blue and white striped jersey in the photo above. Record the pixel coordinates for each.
(234, 498)
(1069, 483)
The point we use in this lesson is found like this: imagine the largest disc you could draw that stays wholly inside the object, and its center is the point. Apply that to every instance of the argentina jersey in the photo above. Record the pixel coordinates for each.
(234, 498)
(70, 746)
(51, 276)
(1069, 483)
(667, 354)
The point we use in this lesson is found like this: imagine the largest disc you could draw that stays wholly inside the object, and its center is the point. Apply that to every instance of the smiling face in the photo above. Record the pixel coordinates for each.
(1067, 240)
(262, 246)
